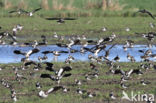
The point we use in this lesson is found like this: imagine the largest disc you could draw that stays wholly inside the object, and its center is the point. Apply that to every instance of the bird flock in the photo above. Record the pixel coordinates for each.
(56, 75)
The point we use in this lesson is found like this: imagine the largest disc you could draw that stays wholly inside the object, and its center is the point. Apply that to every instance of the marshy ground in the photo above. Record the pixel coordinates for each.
(102, 86)
(92, 16)
(91, 27)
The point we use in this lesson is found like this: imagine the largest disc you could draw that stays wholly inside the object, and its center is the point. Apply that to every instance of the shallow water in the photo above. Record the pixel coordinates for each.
(7, 55)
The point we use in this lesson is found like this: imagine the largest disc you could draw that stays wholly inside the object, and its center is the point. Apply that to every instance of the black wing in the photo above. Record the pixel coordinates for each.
(35, 51)
(46, 52)
(145, 11)
(56, 88)
(76, 42)
(67, 68)
(18, 52)
(150, 14)
(30, 63)
(91, 41)
(88, 49)
(61, 45)
(67, 75)
(27, 43)
(60, 18)
(52, 18)
(69, 18)
(63, 52)
(49, 64)
(12, 11)
(45, 75)
(36, 10)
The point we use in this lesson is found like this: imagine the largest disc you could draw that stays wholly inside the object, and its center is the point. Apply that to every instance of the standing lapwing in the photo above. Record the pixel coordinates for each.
(143, 82)
(17, 28)
(42, 58)
(152, 25)
(80, 91)
(38, 85)
(77, 82)
(111, 95)
(131, 58)
(90, 94)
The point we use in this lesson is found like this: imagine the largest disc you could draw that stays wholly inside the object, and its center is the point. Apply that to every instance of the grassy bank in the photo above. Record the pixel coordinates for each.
(80, 7)
(102, 86)
(91, 27)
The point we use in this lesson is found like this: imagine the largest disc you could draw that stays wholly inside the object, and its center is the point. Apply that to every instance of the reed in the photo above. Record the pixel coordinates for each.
(93, 4)
(7, 4)
(104, 4)
(22, 4)
(45, 5)
(70, 6)
(112, 5)
(56, 5)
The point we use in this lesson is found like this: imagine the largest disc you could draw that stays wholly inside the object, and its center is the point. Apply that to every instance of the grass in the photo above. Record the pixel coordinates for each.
(91, 18)
(102, 86)
(79, 7)
(91, 27)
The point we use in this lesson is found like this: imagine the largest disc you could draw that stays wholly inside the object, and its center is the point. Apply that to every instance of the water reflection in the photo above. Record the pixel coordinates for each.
(7, 55)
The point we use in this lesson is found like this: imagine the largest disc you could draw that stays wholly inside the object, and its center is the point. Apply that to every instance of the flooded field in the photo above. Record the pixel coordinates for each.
(7, 53)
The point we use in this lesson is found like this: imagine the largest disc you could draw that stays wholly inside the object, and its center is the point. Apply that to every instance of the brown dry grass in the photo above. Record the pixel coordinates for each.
(7, 4)
(22, 4)
(111, 5)
(114, 5)
(92, 4)
(44, 4)
(70, 6)
(60, 6)
(56, 5)
(104, 4)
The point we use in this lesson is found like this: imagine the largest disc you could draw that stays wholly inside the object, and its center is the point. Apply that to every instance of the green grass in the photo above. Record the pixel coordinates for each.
(81, 7)
(91, 27)
(102, 86)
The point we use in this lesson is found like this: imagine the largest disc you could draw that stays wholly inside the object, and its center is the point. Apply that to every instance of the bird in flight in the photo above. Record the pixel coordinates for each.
(29, 13)
(32, 12)
(19, 11)
(60, 20)
(147, 12)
